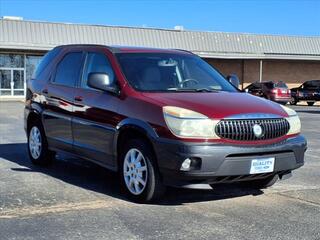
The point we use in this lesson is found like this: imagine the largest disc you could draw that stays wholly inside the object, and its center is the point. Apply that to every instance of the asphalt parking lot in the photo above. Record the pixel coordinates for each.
(74, 199)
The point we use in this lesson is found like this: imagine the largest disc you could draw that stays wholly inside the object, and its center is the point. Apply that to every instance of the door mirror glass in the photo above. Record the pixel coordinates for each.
(102, 81)
(234, 80)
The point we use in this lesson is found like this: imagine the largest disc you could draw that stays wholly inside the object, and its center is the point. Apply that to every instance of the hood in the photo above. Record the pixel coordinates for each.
(217, 104)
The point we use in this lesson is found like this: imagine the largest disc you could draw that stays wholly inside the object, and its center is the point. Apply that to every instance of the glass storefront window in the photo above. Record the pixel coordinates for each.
(31, 64)
(12, 60)
(5, 82)
(15, 70)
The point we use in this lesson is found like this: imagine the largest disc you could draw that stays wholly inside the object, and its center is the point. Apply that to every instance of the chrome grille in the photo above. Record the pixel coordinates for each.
(242, 129)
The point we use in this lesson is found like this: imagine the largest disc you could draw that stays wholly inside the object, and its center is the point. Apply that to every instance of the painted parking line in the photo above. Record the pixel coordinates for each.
(30, 211)
(312, 155)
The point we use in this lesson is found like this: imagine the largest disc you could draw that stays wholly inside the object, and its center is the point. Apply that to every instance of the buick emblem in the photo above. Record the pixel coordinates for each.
(257, 130)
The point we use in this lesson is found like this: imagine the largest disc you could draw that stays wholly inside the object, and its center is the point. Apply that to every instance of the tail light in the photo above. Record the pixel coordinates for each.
(276, 91)
(279, 91)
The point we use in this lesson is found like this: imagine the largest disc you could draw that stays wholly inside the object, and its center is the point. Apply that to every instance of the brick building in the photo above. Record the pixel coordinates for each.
(293, 72)
(252, 57)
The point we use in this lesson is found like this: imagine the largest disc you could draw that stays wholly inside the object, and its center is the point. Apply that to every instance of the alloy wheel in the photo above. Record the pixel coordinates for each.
(35, 142)
(135, 171)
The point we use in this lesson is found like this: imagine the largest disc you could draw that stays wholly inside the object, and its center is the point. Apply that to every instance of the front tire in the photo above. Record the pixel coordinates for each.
(293, 101)
(310, 103)
(39, 153)
(140, 178)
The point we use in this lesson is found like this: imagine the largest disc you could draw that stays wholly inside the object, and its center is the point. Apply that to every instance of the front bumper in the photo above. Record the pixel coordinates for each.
(223, 162)
(311, 98)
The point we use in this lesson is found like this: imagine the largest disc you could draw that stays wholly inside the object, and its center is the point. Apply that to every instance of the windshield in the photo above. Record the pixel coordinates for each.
(165, 72)
(281, 85)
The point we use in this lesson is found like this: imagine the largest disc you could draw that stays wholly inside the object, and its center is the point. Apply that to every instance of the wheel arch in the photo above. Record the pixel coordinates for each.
(32, 117)
(133, 129)
(34, 113)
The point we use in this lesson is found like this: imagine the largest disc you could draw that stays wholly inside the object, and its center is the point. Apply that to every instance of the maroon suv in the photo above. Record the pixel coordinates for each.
(158, 117)
(277, 92)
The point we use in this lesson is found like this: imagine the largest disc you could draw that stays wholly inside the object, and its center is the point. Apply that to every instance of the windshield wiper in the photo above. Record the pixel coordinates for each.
(205, 90)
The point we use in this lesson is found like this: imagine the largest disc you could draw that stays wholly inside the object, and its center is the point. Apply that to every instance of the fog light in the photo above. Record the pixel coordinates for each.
(185, 166)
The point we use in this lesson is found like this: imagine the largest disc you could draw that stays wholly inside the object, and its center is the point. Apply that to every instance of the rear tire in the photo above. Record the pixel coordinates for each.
(262, 183)
(310, 103)
(139, 174)
(38, 151)
(293, 101)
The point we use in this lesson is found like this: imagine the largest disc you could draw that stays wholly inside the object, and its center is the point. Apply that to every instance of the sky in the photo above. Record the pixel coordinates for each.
(284, 17)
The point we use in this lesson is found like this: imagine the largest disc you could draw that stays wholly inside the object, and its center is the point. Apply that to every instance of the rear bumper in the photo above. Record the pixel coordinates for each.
(282, 99)
(222, 162)
(308, 96)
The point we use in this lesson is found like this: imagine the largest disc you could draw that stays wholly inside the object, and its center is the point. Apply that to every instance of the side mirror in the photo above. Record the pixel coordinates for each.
(103, 81)
(234, 80)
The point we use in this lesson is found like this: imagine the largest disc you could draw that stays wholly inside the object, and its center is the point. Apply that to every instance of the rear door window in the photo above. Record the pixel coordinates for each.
(269, 85)
(254, 86)
(312, 84)
(68, 70)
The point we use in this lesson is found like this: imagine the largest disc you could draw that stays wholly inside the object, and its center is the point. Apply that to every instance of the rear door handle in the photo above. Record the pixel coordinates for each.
(78, 98)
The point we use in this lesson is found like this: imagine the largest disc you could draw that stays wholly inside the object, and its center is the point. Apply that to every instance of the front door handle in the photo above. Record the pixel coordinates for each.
(45, 91)
(78, 98)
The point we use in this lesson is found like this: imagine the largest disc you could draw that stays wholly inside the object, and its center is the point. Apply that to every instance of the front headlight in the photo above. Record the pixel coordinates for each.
(189, 124)
(294, 121)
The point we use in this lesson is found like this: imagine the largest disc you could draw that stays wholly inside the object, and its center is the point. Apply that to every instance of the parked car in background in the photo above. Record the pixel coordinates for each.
(277, 92)
(309, 91)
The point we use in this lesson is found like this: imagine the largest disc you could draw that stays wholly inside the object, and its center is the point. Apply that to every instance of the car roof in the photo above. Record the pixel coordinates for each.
(267, 81)
(317, 81)
(262, 83)
(129, 49)
(313, 83)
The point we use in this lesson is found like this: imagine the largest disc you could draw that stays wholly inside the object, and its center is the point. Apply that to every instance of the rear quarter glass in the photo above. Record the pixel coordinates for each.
(45, 61)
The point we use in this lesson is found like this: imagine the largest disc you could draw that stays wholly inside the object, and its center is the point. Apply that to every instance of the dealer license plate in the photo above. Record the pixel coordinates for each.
(262, 165)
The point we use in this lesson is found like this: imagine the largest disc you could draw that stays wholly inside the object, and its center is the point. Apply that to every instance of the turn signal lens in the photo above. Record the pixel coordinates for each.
(293, 119)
